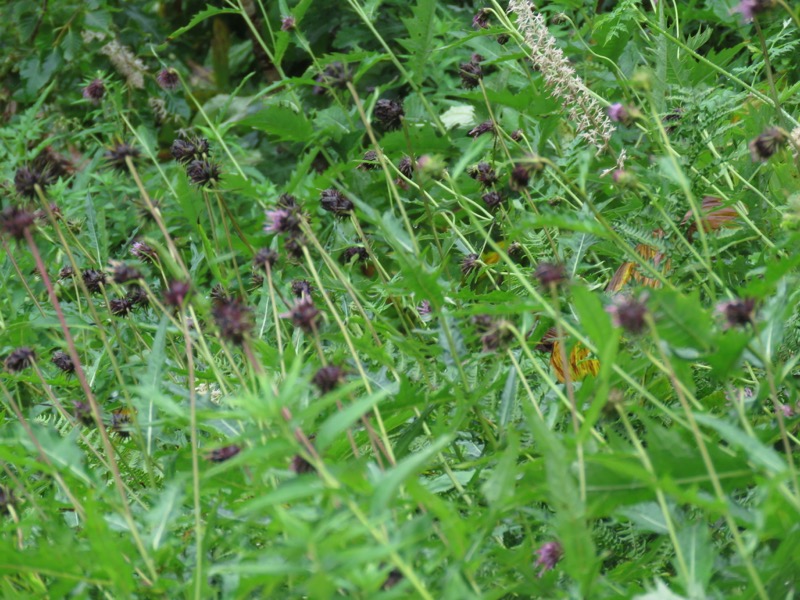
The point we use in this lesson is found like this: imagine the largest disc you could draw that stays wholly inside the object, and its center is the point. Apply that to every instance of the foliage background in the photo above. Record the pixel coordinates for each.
(444, 460)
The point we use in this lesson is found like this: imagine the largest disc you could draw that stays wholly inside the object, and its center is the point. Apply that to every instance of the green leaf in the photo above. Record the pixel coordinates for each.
(421, 26)
(209, 12)
(282, 122)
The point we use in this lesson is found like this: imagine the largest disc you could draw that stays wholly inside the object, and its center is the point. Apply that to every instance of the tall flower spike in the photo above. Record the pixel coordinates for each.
(559, 76)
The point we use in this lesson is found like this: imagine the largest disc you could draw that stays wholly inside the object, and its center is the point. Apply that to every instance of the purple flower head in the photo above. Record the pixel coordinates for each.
(549, 555)
(492, 199)
(233, 319)
(750, 8)
(303, 314)
(628, 313)
(767, 144)
(203, 173)
(550, 273)
(479, 130)
(142, 250)
(168, 79)
(62, 360)
(95, 91)
(484, 173)
(425, 310)
(93, 279)
(481, 19)
(21, 358)
(27, 178)
(335, 75)
(328, 378)
(15, 221)
(265, 257)
(471, 72)
(224, 453)
(282, 220)
(301, 288)
(177, 292)
(389, 114)
(469, 263)
(738, 312)
(116, 156)
(288, 23)
(618, 113)
(334, 201)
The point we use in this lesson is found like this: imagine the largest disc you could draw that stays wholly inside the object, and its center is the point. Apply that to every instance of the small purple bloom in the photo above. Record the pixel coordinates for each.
(549, 554)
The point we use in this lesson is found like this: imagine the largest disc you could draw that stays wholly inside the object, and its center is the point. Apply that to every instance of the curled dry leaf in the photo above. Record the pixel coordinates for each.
(714, 216)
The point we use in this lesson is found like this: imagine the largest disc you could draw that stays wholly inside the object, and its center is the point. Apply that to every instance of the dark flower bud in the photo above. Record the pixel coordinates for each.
(354, 252)
(498, 337)
(481, 19)
(116, 156)
(124, 273)
(389, 114)
(549, 555)
(203, 173)
(483, 173)
(503, 38)
(492, 199)
(370, 162)
(469, 263)
(300, 465)
(406, 167)
(479, 130)
(520, 177)
(176, 293)
(301, 288)
(303, 314)
(516, 135)
(334, 201)
(287, 201)
(62, 360)
(137, 296)
(218, 295)
(767, 144)
(93, 279)
(470, 73)
(233, 319)
(168, 79)
(288, 23)
(95, 91)
(15, 221)
(425, 310)
(27, 178)
(294, 247)
(482, 323)
(738, 312)
(392, 579)
(21, 358)
(66, 273)
(335, 75)
(629, 314)
(120, 307)
(265, 257)
(224, 453)
(186, 150)
(328, 378)
(550, 273)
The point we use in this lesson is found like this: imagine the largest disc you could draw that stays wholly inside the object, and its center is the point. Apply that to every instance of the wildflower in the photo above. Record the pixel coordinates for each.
(335, 75)
(82, 413)
(767, 144)
(224, 453)
(168, 79)
(287, 201)
(301, 288)
(281, 221)
(357, 252)
(15, 221)
(142, 250)
(559, 75)
(498, 336)
(117, 156)
(482, 323)
(550, 274)
(288, 23)
(95, 91)
(492, 199)
(503, 38)
(750, 8)
(629, 314)
(203, 173)
(218, 294)
(334, 201)
(483, 173)
(66, 273)
(425, 310)
(176, 293)
(300, 465)
(389, 114)
(469, 263)
(481, 19)
(328, 378)
(738, 312)
(264, 258)
(471, 72)
(120, 307)
(619, 113)
(303, 314)
(624, 179)
(294, 247)
(516, 135)
(93, 279)
(370, 161)
(62, 360)
(479, 130)
(186, 150)
(124, 273)
(21, 358)
(233, 319)
(549, 555)
(27, 178)
(519, 178)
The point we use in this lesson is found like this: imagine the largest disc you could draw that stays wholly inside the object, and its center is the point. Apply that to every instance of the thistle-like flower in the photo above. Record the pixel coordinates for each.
(95, 91)
(587, 114)
(738, 312)
(389, 114)
(550, 274)
(203, 173)
(469, 263)
(21, 358)
(27, 178)
(168, 79)
(288, 23)
(120, 307)
(359, 253)
(265, 257)
(233, 319)
(116, 156)
(62, 360)
(628, 313)
(176, 293)
(471, 72)
(301, 288)
(479, 130)
(483, 173)
(767, 144)
(15, 221)
(93, 279)
(186, 150)
(282, 220)
(224, 453)
(328, 378)
(492, 199)
(303, 314)
(549, 555)
(334, 201)
(750, 8)
(370, 161)
(335, 75)
(124, 273)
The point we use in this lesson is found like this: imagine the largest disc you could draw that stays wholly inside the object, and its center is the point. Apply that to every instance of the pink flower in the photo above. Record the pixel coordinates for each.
(549, 554)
